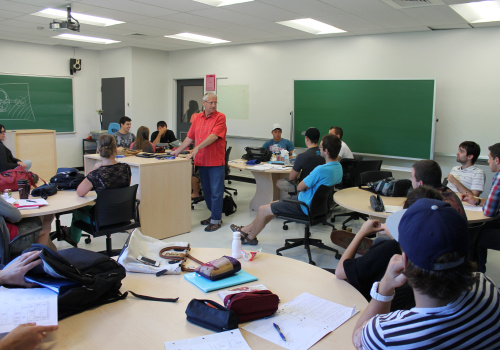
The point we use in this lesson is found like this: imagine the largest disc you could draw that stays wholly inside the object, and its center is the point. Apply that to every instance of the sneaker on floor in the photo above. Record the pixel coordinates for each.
(344, 238)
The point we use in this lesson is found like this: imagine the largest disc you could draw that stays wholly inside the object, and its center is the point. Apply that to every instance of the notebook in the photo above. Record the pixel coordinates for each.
(207, 286)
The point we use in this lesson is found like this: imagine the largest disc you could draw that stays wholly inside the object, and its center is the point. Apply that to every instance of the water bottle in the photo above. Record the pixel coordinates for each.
(287, 159)
(236, 245)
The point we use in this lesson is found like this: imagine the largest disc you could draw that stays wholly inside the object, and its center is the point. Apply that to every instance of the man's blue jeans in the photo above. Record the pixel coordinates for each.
(212, 183)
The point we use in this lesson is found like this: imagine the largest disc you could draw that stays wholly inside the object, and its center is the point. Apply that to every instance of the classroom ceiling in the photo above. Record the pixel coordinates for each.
(148, 21)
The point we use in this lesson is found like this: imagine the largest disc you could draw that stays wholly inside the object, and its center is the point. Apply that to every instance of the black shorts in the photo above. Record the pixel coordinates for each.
(282, 207)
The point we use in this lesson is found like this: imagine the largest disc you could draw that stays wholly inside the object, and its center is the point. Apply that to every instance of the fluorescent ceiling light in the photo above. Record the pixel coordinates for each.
(219, 3)
(311, 26)
(87, 39)
(478, 12)
(197, 38)
(82, 18)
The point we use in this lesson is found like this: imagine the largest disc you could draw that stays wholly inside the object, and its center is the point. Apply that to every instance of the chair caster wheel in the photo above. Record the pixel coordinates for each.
(285, 227)
(278, 254)
(312, 263)
(235, 193)
(88, 240)
(192, 207)
(338, 256)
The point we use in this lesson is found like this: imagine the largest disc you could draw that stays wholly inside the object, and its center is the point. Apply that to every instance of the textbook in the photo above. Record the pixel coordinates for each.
(207, 286)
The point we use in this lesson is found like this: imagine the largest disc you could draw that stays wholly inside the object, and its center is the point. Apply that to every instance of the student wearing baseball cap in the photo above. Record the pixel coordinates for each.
(277, 140)
(455, 308)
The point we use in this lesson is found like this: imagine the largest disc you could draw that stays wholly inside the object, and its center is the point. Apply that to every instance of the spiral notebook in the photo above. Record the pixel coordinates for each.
(207, 286)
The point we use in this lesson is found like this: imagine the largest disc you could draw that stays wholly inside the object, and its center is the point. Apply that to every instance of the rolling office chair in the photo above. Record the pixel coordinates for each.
(227, 171)
(358, 168)
(113, 127)
(10, 249)
(115, 210)
(318, 214)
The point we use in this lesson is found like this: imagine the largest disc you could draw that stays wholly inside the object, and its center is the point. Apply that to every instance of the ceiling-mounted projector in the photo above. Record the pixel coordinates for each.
(70, 23)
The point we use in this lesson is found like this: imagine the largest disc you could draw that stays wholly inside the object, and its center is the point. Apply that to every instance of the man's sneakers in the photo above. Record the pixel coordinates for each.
(344, 238)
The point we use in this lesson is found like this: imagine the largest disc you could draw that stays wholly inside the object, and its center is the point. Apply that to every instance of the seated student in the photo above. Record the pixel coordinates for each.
(277, 141)
(124, 137)
(361, 272)
(26, 336)
(305, 162)
(108, 174)
(7, 160)
(455, 307)
(328, 174)
(489, 237)
(17, 226)
(467, 177)
(141, 142)
(345, 151)
(428, 172)
(162, 134)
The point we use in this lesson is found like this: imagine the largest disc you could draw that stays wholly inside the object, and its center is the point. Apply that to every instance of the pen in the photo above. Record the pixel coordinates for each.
(29, 200)
(279, 331)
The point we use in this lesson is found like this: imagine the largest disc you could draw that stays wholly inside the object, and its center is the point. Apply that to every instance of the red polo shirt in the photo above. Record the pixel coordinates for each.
(202, 127)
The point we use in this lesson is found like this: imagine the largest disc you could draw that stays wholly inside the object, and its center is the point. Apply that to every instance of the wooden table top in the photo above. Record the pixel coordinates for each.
(241, 164)
(358, 200)
(60, 202)
(139, 324)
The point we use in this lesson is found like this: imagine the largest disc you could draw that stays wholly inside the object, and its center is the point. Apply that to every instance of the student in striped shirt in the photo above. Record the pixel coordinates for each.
(455, 308)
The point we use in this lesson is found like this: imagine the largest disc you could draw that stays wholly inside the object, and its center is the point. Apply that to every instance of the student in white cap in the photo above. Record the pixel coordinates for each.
(278, 141)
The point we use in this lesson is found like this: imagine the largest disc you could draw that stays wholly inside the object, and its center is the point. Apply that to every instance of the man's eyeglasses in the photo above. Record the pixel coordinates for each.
(3, 132)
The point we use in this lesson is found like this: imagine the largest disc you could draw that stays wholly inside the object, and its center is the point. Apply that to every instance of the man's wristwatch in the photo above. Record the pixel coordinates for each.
(478, 202)
(374, 294)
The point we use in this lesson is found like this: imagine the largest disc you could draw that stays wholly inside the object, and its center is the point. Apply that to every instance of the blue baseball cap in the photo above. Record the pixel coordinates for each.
(429, 229)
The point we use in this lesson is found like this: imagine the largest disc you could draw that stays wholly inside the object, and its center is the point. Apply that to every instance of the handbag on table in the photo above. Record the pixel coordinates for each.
(9, 178)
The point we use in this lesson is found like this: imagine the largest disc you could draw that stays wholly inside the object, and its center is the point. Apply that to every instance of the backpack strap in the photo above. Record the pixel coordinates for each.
(147, 297)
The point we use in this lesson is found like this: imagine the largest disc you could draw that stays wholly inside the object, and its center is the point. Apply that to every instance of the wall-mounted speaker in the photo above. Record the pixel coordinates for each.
(75, 65)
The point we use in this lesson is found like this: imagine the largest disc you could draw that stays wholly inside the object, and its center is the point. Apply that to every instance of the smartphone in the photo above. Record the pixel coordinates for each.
(148, 261)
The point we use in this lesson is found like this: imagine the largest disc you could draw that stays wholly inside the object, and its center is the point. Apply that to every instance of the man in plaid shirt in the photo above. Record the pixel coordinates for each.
(489, 238)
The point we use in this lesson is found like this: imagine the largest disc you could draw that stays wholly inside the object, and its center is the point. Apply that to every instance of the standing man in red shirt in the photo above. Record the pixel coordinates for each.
(208, 131)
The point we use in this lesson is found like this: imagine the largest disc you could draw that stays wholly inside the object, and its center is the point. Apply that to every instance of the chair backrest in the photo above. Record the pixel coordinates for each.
(374, 175)
(115, 206)
(319, 208)
(4, 242)
(348, 173)
(363, 166)
(113, 127)
(227, 169)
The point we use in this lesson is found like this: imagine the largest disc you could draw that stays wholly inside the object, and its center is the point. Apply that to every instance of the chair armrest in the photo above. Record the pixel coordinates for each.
(298, 203)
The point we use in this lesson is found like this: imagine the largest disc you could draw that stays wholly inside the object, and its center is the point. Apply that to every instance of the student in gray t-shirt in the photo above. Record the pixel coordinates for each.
(124, 138)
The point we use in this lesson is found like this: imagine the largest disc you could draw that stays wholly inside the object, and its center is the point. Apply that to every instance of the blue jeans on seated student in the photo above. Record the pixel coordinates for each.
(212, 184)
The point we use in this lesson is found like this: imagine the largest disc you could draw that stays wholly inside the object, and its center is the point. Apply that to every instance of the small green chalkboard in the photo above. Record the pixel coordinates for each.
(28, 102)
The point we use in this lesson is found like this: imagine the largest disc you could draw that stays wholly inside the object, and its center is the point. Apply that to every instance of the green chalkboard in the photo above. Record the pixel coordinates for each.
(28, 102)
(392, 118)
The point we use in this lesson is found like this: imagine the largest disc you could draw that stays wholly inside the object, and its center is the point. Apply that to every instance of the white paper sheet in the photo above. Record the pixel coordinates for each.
(304, 321)
(27, 305)
(229, 340)
(472, 207)
(392, 208)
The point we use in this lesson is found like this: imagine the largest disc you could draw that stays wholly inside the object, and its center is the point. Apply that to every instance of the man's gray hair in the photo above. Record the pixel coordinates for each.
(209, 94)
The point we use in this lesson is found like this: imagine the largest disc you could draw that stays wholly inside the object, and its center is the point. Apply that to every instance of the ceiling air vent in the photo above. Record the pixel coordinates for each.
(403, 4)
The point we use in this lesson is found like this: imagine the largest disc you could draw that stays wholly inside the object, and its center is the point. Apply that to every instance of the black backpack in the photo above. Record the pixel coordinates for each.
(67, 180)
(93, 279)
(258, 153)
(228, 205)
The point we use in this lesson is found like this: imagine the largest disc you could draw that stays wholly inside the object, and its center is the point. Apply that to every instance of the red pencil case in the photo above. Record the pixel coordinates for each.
(250, 306)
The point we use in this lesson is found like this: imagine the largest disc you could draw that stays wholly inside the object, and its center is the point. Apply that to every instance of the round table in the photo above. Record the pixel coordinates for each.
(139, 324)
(60, 202)
(266, 190)
(358, 200)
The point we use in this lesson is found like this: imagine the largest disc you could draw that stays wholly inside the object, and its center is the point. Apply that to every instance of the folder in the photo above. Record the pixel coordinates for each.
(207, 286)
